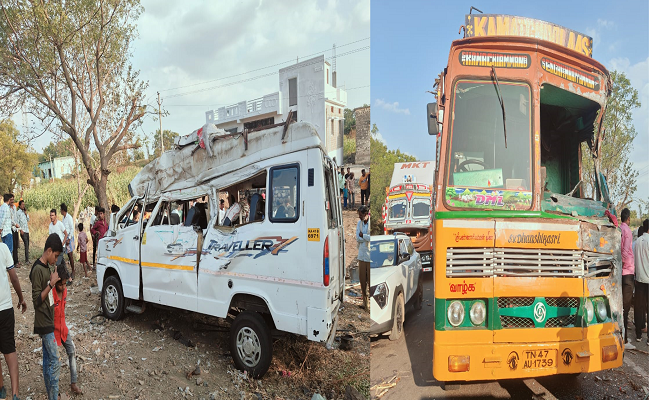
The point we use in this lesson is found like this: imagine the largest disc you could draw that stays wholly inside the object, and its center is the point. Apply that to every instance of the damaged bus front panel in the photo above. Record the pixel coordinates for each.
(276, 261)
(527, 268)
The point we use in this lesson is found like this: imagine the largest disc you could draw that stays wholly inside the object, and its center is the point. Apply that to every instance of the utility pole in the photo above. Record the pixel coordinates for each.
(162, 146)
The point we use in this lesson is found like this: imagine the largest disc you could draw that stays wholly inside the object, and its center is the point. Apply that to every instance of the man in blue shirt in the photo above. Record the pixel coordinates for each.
(363, 240)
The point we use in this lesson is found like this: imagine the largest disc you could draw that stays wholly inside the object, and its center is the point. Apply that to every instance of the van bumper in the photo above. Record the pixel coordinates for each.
(492, 361)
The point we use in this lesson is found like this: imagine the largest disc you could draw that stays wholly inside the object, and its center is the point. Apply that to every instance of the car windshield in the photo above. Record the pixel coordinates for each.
(421, 208)
(382, 253)
(481, 171)
(397, 210)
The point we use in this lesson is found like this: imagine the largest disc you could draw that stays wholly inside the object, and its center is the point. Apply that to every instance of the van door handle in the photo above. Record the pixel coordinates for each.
(136, 237)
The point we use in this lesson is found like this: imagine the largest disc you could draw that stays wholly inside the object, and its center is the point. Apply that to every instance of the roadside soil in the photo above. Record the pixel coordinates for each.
(147, 356)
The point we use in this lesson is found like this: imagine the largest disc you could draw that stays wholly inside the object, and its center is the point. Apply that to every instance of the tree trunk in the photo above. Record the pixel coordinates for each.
(100, 191)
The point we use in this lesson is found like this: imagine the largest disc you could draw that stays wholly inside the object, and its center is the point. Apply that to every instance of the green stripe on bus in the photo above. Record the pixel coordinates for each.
(497, 214)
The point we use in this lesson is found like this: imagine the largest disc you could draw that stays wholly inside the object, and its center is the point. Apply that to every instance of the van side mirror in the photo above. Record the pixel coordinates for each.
(432, 118)
(404, 257)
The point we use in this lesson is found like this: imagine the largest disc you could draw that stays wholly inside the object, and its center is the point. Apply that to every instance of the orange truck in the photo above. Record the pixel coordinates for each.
(408, 206)
(527, 269)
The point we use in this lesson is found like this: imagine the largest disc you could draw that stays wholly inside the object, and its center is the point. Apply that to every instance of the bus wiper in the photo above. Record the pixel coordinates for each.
(503, 108)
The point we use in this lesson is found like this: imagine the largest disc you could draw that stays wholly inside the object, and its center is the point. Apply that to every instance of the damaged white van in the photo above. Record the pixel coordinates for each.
(274, 258)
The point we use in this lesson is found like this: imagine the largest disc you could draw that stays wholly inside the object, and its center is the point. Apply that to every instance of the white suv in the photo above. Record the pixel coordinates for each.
(395, 279)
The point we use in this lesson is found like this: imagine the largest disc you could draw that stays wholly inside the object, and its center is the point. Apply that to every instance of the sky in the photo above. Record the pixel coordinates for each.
(411, 42)
(186, 49)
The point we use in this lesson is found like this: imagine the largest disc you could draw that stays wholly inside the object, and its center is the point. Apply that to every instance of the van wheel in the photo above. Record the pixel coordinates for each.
(419, 296)
(250, 344)
(398, 319)
(112, 298)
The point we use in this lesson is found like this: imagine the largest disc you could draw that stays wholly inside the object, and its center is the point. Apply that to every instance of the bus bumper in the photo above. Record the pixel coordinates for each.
(492, 361)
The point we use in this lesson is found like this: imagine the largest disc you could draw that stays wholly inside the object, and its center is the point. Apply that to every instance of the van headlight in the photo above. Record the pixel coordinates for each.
(455, 313)
(601, 310)
(380, 295)
(477, 313)
(590, 310)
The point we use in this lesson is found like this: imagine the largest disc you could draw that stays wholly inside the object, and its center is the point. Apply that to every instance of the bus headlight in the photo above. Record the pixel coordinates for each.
(590, 310)
(601, 310)
(477, 313)
(456, 313)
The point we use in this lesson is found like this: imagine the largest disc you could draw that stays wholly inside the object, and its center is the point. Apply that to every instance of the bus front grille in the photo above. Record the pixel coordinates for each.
(510, 302)
(516, 322)
(569, 302)
(561, 322)
(506, 262)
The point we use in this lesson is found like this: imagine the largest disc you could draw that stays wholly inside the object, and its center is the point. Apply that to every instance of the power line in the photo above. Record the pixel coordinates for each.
(260, 76)
(259, 69)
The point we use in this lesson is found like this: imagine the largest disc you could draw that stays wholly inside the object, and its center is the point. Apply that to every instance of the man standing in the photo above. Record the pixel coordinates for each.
(7, 320)
(341, 183)
(43, 281)
(98, 230)
(628, 270)
(363, 240)
(364, 184)
(93, 219)
(57, 227)
(68, 224)
(23, 222)
(641, 284)
(222, 211)
(5, 221)
(14, 232)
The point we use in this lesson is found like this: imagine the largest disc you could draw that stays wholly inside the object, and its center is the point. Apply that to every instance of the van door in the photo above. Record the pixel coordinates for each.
(169, 274)
(335, 234)
(124, 249)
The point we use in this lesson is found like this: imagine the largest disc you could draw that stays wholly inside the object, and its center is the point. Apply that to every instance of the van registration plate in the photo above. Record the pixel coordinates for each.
(541, 358)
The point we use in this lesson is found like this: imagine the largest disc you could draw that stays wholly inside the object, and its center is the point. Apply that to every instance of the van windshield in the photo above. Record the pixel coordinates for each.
(481, 171)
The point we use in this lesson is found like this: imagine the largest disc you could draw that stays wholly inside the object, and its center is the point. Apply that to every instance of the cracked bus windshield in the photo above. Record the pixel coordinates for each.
(481, 172)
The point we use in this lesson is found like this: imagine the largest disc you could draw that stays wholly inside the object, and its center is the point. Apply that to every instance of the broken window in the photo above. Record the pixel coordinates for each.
(246, 201)
(566, 120)
(293, 92)
(284, 197)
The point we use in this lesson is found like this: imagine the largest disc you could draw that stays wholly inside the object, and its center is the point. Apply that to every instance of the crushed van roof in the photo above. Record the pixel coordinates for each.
(210, 153)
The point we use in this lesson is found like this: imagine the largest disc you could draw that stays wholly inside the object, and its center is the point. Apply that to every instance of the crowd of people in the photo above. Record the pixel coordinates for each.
(49, 276)
(348, 184)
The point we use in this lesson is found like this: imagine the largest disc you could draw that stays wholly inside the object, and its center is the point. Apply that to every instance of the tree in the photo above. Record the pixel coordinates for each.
(382, 161)
(168, 141)
(349, 121)
(16, 160)
(67, 64)
(59, 148)
(612, 145)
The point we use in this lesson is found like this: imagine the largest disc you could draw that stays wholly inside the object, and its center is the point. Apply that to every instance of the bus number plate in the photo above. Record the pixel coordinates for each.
(536, 359)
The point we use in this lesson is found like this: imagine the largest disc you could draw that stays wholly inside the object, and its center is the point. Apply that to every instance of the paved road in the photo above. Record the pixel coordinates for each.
(410, 359)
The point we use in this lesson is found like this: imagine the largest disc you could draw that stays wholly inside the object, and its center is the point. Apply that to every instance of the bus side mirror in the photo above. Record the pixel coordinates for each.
(432, 118)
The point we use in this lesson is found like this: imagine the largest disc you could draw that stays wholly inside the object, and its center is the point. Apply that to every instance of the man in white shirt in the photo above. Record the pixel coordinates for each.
(5, 221)
(7, 320)
(641, 281)
(57, 227)
(23, 222)
(68, 247)
(222, 211)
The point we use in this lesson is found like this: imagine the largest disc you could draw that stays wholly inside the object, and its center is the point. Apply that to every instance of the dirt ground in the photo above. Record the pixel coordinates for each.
(139, 357)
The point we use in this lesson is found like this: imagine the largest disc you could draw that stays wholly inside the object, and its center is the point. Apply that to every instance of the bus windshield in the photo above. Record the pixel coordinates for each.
(481, 171)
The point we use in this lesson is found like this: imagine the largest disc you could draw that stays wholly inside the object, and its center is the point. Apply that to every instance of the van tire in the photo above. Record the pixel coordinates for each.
(112, 298)
(251, 347)
(419, 296)
(398, 318)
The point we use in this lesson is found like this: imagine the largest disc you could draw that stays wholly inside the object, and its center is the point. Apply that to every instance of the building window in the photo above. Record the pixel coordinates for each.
(293, 92)
(332, 109)
(258, 123)
(327, 75)
(339, 111)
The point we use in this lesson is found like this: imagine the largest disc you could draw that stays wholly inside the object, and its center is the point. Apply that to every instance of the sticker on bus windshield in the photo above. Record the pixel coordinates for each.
(482, 198)
(570, 74)
(492, 59)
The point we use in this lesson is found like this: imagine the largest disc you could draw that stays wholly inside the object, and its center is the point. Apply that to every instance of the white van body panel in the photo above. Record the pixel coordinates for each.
(270, 261)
